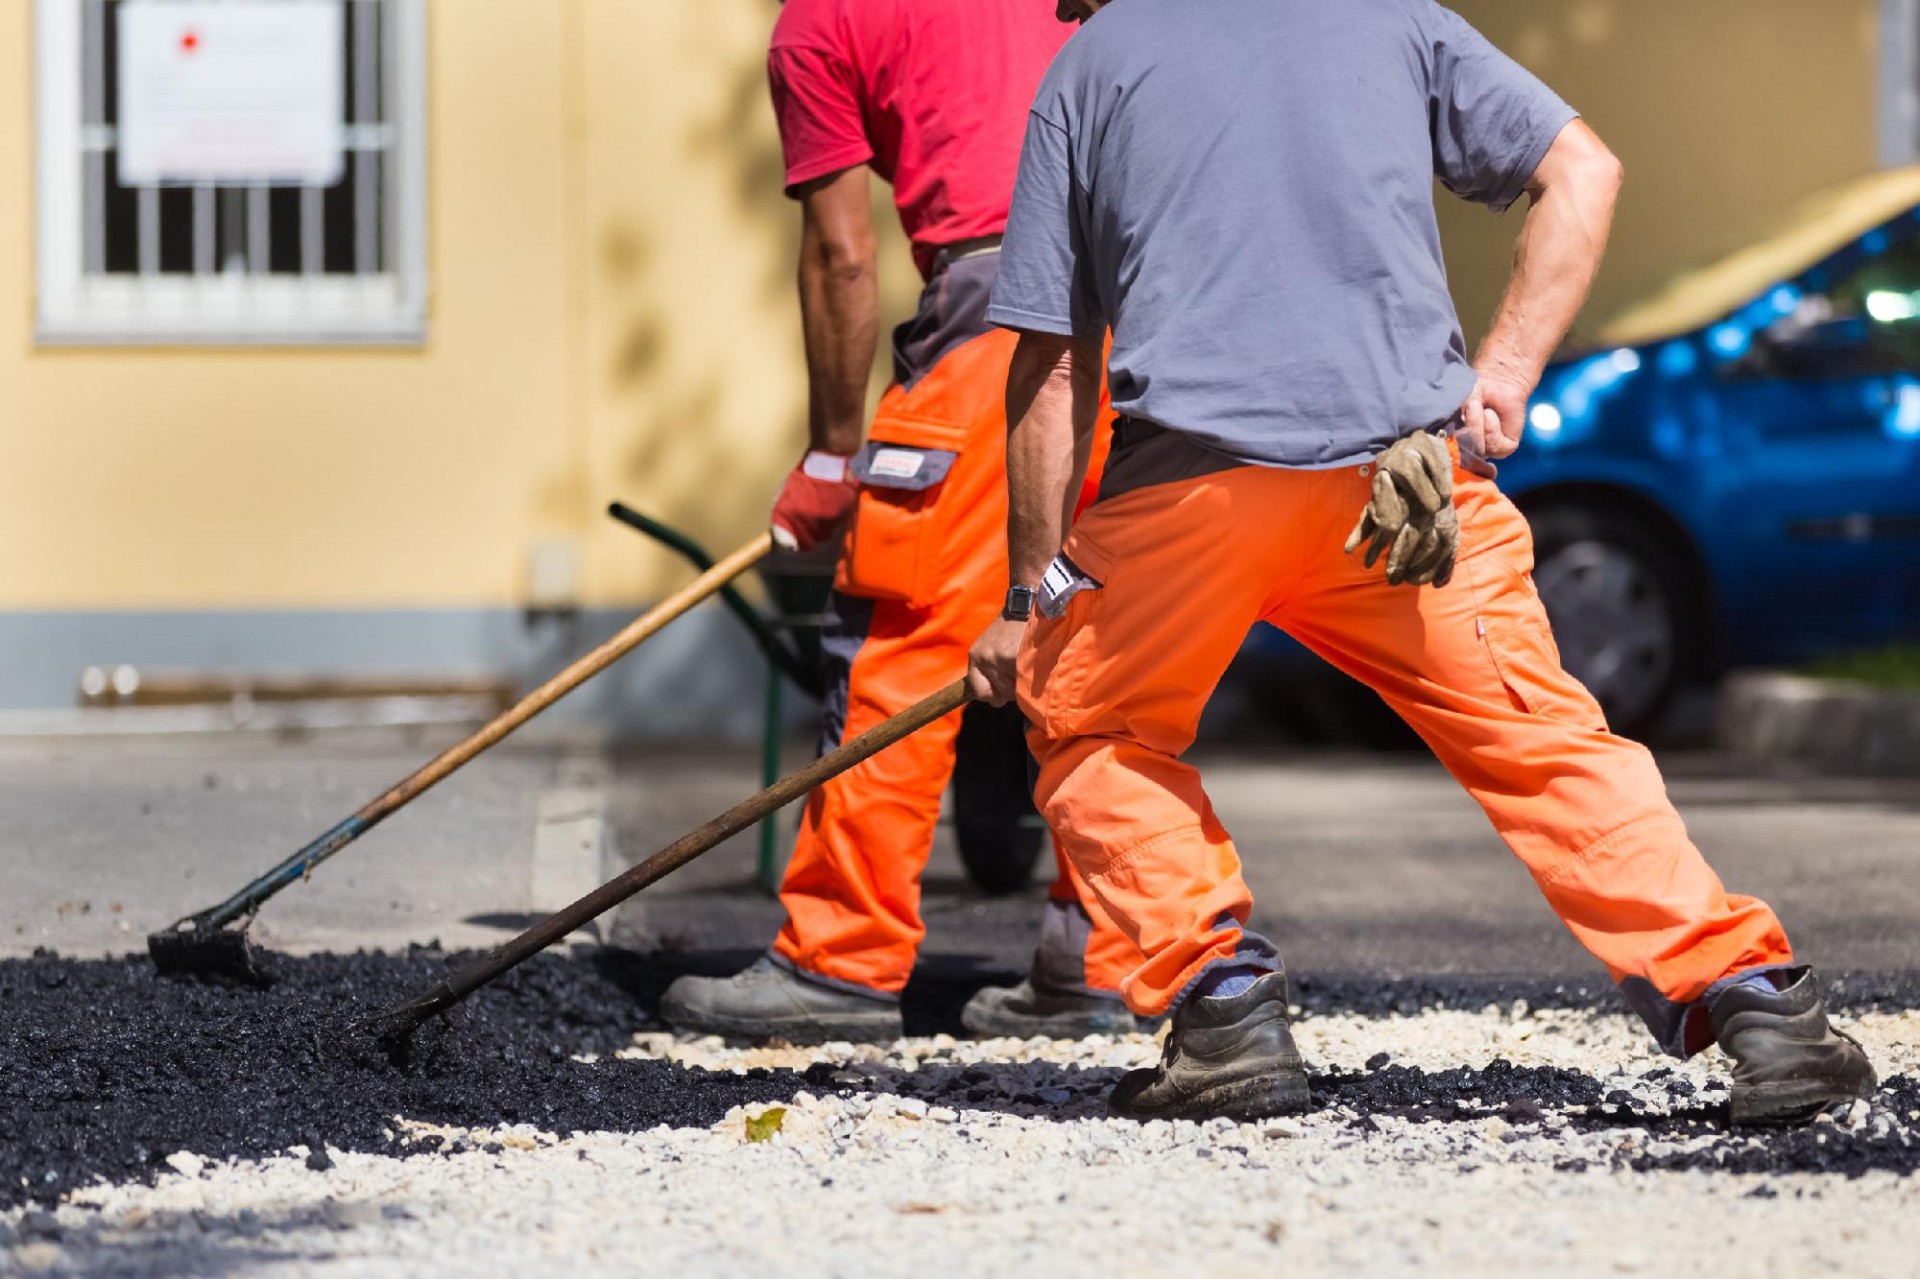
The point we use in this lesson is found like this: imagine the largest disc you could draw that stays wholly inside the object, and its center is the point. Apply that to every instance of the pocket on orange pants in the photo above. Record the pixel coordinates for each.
(1529, 664)
(892, 549)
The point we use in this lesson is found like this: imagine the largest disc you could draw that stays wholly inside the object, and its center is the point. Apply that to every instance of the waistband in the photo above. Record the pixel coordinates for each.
(952, 310)
(947, 254)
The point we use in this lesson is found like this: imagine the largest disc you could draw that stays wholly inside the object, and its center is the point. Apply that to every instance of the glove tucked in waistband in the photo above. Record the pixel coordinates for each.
(1410, 515)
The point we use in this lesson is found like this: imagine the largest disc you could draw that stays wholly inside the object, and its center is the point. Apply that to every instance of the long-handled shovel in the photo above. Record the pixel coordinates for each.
(204, 944)
(394, 1025)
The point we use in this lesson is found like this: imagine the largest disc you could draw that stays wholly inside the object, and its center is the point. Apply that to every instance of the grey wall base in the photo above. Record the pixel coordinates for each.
(700, 679)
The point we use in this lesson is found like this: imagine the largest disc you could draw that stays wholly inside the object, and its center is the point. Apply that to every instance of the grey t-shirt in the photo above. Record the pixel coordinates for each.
(1243, 191)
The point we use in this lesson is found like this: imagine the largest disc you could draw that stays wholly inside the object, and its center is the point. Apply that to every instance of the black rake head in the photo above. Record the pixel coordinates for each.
(220, 955)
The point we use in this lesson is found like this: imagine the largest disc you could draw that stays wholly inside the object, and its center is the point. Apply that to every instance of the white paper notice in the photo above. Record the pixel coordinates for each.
(239, 91)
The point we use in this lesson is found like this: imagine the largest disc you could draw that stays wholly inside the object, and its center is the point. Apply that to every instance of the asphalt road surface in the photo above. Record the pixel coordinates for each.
(1491, 1111)
(1371, 865)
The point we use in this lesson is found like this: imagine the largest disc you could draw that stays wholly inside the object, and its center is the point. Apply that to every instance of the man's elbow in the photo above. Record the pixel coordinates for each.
(1605, 174)
(1046, 367)
(1581, 164)
(1046, 361)
(845, 258)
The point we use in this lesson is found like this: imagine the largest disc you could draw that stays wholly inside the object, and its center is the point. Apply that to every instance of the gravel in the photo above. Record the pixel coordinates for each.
(554, 1125)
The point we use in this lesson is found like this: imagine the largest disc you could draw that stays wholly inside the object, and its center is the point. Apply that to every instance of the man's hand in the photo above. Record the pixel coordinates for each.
(992, 663)
(1410, 516)
(1494, 416)
(816, 503)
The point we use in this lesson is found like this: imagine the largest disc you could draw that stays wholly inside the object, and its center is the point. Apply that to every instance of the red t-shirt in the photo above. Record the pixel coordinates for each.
(932, 93)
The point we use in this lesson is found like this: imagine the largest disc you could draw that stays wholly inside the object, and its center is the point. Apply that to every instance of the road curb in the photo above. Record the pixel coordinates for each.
(1834, 726)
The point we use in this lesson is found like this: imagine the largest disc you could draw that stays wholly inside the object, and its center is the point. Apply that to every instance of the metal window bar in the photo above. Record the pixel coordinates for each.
(365, 110)
(93, 93)
(204, 229)
(259, 232)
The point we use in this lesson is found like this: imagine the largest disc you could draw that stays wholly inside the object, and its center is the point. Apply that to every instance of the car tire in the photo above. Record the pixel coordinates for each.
(998, 831)
(1625, 605)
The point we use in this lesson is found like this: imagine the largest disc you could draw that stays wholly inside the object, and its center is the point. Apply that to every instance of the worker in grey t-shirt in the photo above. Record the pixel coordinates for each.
(1242, 192)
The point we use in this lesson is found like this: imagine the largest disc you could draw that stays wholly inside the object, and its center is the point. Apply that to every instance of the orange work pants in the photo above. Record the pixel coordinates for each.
(923, 573)
(1114, 687)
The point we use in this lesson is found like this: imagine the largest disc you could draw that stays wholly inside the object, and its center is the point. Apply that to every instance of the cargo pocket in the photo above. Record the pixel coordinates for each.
(892, 551)
(1528, 661)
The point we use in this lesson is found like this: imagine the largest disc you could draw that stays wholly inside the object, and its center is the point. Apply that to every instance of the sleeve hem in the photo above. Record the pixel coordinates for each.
(1008, 317)
(820, 165)
(1522, 173)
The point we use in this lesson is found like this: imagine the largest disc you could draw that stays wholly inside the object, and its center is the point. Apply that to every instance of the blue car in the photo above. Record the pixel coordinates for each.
(1731, 474)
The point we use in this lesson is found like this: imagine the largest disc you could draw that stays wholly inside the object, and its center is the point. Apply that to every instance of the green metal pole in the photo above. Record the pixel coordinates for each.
(769, 774)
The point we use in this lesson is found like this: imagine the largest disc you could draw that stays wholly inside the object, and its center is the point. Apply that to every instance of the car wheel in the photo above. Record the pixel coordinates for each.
(1622, 608)
(999, 833)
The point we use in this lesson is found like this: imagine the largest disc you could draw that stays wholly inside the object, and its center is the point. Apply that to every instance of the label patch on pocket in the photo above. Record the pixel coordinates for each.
(896, 464)
(901, 466)
(1060, 583)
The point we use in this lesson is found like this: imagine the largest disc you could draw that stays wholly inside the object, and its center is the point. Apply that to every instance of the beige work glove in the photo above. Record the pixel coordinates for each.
(1410, 515)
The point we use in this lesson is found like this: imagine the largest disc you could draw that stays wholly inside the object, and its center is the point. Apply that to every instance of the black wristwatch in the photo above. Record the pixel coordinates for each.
(1019, 606)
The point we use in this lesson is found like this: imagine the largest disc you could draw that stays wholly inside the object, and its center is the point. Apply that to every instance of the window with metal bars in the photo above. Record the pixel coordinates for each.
(231, 262)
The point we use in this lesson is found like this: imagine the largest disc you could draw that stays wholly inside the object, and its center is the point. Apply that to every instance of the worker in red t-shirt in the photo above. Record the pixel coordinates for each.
(932, 95)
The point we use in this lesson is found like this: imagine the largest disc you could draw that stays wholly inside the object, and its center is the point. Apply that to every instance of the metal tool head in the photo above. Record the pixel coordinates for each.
(393, 1031)
(221, 955)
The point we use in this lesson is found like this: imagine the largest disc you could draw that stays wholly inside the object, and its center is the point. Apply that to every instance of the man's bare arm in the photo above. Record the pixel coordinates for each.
(1561, 243)
(1053, 393)
(840, 320)
(1053, 396)
(839, 306)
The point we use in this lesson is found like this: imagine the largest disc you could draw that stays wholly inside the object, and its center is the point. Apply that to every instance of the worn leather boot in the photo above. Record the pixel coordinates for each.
(1029, 1009)
(1231, 1057)
(1054, 1000)
(1789, 1065)
(768, 1002)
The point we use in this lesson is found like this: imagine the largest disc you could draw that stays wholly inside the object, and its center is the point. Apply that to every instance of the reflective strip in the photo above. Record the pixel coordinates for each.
(1060, 583)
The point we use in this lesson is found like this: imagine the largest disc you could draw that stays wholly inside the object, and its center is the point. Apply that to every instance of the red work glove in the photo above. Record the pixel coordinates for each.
(816, 502)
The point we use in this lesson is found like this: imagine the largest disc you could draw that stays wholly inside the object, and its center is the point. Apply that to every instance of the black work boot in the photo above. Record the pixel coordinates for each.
(1029, 1009)
(1054, 1000)
(768, 1002)
(1789, 1065)
(1231, 1057)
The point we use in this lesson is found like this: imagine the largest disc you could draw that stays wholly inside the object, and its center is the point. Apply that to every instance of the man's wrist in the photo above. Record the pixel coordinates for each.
(1507, 368)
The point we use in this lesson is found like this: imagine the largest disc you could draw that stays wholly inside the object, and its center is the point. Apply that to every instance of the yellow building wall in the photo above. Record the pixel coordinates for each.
(1725, 112)
(695, 380)
(612, 310)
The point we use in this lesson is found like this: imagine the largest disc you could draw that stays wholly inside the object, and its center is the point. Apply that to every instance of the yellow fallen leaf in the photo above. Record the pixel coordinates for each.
(762, 1126)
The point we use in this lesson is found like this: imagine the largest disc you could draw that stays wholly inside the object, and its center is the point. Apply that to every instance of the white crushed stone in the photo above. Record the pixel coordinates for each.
(884, 1185)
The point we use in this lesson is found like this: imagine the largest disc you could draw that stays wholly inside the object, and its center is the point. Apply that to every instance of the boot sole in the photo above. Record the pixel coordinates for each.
(879, 1027)
(1790, 1104)
(1242, 1100)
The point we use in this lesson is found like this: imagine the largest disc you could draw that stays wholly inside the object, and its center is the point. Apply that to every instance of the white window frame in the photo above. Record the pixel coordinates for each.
(74, 308)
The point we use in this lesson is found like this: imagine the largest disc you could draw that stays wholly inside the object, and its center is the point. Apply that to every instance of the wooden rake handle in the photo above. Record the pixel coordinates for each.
(300, 863)
(402, 1019)
(584, 668)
